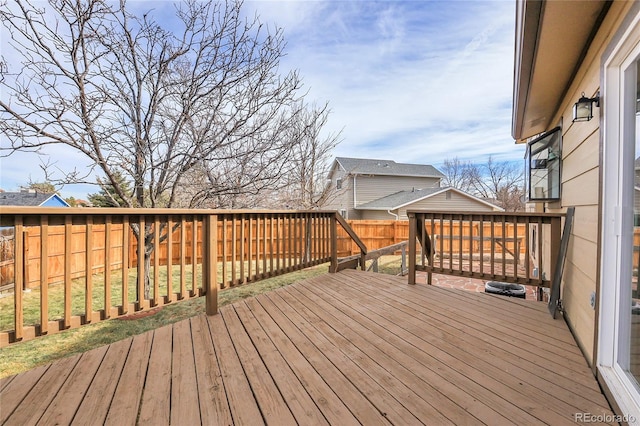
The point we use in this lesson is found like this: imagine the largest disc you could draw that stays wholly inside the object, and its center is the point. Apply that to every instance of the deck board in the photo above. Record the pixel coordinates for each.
(214, 407)
(332, 407)
(348, 348)
(244, 409)
(184, 390)
(501, 368)
(294, 393)
(155, 406)
(397, 340)
(342, 387)
(43, 392)
(416, 394)
(478, 330)
(12, 395)
(124, 409)
(68, 399)
(97, 400)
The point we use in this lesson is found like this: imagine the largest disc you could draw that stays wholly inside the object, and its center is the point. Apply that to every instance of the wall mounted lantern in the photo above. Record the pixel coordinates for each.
(583, 109)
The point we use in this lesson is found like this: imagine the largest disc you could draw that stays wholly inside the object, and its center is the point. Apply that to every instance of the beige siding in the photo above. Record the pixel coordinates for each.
(369, 188)
(341, 199)
(580, 188)
(376, 215)
(457, 202)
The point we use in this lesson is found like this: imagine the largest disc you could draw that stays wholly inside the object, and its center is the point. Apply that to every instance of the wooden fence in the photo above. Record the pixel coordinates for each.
(376, 234)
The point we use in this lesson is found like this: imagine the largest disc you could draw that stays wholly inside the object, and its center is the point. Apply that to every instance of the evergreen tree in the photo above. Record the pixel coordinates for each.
(42, 187)
(108, 196)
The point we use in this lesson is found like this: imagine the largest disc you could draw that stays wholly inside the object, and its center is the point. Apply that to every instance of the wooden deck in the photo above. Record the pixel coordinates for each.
(347, 348)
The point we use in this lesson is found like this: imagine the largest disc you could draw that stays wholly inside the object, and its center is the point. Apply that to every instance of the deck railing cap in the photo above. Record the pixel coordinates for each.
(481, 213)
(17, 210)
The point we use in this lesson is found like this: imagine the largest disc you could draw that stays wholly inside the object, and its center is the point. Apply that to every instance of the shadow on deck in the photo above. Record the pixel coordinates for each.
(345, 348)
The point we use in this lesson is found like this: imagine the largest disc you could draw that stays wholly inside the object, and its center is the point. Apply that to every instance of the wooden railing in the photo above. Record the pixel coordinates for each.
(181, 254)
(519, 248)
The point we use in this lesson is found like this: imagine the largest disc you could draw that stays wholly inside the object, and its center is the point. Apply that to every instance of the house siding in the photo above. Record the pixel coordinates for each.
(457, 202)
(341, 199)
(369, 188)
(581, 188)
(55, 201)
(376, 215)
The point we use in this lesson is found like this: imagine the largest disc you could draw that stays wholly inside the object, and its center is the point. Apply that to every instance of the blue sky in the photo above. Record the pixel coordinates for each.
(412, 81)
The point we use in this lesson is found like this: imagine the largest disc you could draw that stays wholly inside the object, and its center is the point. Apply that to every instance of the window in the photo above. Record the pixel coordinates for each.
(339, 184)
(543, 166)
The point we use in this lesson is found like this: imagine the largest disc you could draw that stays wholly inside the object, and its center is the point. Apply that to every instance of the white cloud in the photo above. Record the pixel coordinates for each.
(405, 78)
(413, 81)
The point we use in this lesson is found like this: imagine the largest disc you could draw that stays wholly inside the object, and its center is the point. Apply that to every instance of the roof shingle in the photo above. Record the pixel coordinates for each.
(387, 167)
(26, 199)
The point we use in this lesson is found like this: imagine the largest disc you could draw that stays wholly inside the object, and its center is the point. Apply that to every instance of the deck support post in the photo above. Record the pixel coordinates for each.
(334, 244)
(211, 267)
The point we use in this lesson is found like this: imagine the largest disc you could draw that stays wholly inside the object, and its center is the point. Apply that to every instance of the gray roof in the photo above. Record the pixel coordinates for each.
(367, 166)
(25, 199)
(400, 198)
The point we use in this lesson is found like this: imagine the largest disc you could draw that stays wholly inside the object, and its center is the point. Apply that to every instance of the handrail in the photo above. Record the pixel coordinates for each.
(512, 247)
(352, 262)
(106, 271)
(352, 234)
(335, 266)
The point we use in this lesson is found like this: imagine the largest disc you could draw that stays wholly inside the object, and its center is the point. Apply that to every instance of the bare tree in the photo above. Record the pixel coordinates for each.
(456, 173)
(305, 185)
(501, 181)
(146, 103)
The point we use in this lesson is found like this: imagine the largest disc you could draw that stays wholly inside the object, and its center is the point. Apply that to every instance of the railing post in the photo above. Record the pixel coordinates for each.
(44, 276)
(68, 246)
(334, 244)
(307, 240)
(412, 247)
(18, 277)
(403, 261)
(211, 267)
(554, 238)
(141, 274)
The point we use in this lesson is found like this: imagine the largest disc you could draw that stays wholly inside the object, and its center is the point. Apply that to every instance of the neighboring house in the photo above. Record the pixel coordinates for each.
(383, 190)
(31, 199)
(566, 51)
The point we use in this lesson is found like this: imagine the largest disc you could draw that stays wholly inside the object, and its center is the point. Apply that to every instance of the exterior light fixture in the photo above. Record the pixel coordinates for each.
(583, 109)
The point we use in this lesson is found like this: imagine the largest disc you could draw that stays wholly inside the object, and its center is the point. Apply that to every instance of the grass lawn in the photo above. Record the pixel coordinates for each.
(31, 298)
(24, 356)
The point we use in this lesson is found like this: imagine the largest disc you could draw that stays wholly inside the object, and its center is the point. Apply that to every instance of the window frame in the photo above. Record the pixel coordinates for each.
(554, 147)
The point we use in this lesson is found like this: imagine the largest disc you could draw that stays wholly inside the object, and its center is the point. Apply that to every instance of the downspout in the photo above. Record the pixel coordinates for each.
(354, 191)
(393, 214)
